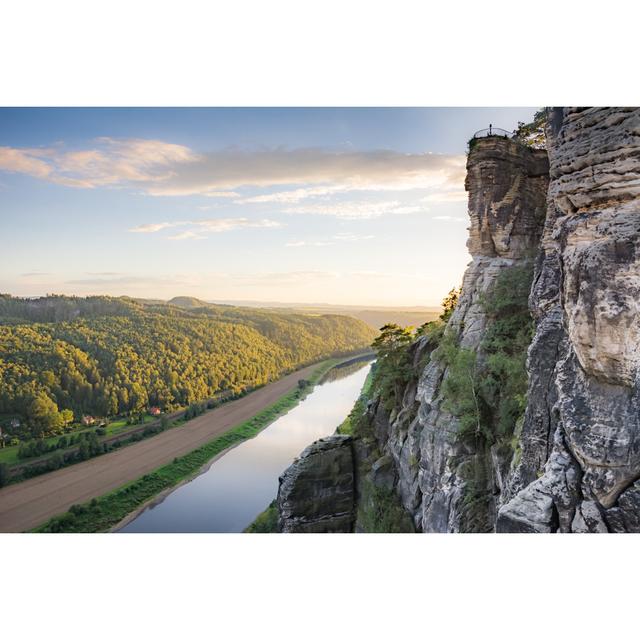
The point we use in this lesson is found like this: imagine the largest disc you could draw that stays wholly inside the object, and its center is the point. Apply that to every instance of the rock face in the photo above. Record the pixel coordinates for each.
(507, 184)
(317, 492)
(573, 463)
(581, 437)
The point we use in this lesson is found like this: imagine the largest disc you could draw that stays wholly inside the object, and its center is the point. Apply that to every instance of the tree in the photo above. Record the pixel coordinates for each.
(44, 415)
(105, 356)
(66, 416)
(449, 303)
(393, 367)
(533, 133)
(138, 397)
(391, 339)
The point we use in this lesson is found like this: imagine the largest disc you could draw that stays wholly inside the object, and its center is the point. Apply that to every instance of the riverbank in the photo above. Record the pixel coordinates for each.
(115, 509)
(267, 520)
(118, 434)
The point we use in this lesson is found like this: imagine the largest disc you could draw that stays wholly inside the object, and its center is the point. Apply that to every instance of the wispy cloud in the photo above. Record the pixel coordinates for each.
(28, 161)
(222, 194)
(295, 195)
(188, 235)
(154, 227)
(321, 171)
(162, 168)
(199, 227)
(356, 210)
(109, 162)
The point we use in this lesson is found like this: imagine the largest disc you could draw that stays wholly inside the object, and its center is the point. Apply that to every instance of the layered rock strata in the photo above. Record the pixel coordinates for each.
(581, 437)
(507, 185)
(317, 492)
(575, 464)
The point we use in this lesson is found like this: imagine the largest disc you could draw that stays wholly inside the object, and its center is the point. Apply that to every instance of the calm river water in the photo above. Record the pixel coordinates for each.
(243, 482)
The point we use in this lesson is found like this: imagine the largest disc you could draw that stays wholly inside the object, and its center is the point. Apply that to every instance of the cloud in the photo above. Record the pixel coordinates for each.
(219, 225)
(199, 227)
(323, 171)
(28, 161)
(294, 195)
(166, 169)
(188, 235)
(451, 218)
(110, 162)
(35, 274)
(356, 210)
(154, 227)
(447, 196)
(222, 194)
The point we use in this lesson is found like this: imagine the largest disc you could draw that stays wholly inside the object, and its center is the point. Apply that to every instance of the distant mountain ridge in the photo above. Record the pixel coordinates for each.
(374, 316)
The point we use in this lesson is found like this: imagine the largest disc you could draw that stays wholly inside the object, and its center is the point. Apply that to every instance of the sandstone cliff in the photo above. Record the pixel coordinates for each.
(316, 493)
(581, 437)
(447, 483)
(455, 445)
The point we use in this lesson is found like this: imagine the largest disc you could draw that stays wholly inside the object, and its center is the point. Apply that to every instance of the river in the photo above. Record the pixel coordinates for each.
(239, 485)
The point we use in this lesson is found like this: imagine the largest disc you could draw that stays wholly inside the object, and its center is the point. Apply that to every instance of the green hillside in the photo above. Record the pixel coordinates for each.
(107, 356)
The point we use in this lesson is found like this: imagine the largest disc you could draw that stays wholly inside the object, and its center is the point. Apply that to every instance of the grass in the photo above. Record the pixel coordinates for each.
(347, 427)
(120, 426)
(103, 513)
(380, 511)
(9, 455)
(266, 522)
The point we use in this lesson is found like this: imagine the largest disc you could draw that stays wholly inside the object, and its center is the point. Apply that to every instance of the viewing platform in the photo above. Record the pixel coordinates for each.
(494, 132)
(522, 137)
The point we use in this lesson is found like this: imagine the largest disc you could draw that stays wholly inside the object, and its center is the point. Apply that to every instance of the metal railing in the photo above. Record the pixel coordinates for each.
(494, 132)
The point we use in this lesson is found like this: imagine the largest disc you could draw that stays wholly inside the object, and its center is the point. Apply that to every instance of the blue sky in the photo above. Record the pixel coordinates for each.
(343, 206)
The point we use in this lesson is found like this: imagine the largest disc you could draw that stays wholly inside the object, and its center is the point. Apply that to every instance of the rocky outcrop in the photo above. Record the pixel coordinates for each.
(413, 449)
(317, 492)
(507, 185)
(571, 462)
(583, 415)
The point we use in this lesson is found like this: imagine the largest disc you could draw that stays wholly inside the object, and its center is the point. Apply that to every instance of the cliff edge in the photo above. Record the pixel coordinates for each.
(520, 410)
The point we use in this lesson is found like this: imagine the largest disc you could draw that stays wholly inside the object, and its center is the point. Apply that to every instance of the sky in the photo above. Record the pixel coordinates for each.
(296, 205)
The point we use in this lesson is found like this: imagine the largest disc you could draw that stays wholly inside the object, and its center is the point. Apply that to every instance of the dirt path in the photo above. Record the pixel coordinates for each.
(32, 502)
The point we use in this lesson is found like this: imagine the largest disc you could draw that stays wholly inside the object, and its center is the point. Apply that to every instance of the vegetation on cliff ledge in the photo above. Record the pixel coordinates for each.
(486, 390)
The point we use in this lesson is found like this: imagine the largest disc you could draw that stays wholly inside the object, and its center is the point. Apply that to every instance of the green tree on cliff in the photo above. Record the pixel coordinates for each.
(393, 368)
(449, 303)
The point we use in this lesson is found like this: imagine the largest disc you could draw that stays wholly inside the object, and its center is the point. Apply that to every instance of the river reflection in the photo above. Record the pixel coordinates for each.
(242, 483)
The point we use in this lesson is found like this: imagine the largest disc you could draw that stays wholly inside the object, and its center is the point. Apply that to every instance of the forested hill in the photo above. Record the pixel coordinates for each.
(105, 356)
